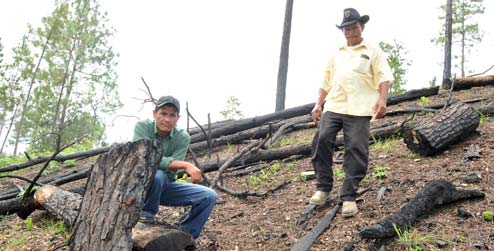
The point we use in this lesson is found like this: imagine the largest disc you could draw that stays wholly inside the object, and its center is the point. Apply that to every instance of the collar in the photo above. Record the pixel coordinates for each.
(363, 44)
(171, 134)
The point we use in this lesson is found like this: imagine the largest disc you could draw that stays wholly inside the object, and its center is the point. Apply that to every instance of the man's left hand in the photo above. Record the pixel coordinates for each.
(380, 109)
(194, 172)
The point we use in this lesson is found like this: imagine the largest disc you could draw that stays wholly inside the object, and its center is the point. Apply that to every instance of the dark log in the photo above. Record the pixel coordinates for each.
(470, 82)
(253, 133)
(196, 130)
(114, 196)
(432, 108)
(306, 242)
(65, 206)
(413, 94)
(58, 158)
(431, 134)
(243, 124)
(435, 194)
(284, 152)
(58, 180)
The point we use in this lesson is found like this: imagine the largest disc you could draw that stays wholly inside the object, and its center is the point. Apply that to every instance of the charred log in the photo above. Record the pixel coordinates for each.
(470, 82)
(413, 94)
(432, 134)
(435, 193)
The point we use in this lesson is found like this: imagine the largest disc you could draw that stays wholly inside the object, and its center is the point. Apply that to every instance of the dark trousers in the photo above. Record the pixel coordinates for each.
(356, 132)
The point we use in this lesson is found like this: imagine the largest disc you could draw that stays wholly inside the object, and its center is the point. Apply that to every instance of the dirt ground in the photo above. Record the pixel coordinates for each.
(273, 222)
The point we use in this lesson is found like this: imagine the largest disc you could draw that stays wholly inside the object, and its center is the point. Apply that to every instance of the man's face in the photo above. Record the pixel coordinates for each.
(166, 118)
(353, 33)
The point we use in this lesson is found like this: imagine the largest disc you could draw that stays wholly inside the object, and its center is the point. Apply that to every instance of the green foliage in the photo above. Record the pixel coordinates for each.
(338, 173)
(488, 215)
(28, 223)
(232, 110)
(465, 30)
(380, 172)
(424, 101)
(396, 53)
(413, 240)
(412, 155)
(75, 87)
(383, 145)
(433, 82)
(483, 117)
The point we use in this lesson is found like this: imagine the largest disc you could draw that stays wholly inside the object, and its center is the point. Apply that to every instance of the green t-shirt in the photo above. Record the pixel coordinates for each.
(175, 145)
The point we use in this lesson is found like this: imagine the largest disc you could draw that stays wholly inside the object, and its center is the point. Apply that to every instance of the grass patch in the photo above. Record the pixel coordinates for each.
(413, 240)
(386, 146)
(380, 172)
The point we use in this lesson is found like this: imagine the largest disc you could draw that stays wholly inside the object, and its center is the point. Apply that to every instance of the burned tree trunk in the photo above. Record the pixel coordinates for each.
(435, 193)
(115, 192)
(470, 82)
(65, 205)
(432, 134)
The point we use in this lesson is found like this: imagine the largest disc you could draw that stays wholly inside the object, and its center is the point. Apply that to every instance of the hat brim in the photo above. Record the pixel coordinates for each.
(363, 19)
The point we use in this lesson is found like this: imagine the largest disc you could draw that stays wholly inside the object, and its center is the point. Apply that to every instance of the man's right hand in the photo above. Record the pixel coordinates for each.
(316, 113)
(194, 173)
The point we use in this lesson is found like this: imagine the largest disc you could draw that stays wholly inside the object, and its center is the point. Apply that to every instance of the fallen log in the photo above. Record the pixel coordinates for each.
(435, 193)
(58, 158)
(470, 82)
(114, 195)
(284, 152)
(58, 180)
(412, 94)
(253, 133)
(243, 124)
(431, 134)
(65, 205)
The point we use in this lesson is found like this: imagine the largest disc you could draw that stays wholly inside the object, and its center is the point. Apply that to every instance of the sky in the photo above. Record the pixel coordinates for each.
(203, 52)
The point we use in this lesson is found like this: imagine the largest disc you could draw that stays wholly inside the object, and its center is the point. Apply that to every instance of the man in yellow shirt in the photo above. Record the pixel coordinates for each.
(354, 90)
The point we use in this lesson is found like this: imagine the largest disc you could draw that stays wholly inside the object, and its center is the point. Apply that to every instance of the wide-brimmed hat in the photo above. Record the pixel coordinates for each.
(351, 16)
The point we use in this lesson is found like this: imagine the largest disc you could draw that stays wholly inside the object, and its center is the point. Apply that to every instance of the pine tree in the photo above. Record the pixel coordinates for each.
(465, 30)
(75, 86)
(398, 64)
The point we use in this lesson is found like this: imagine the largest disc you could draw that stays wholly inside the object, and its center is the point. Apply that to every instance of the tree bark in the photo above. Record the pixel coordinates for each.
(65, 205)
(285, 51)
(432, 134)
(435, 193)
(446, 84)
(114, 196)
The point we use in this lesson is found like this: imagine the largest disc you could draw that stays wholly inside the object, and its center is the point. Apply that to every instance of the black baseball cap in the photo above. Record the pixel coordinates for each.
(168, 100)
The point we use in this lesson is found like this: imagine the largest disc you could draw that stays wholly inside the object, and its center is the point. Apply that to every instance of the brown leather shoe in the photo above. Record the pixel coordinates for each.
(349, 209)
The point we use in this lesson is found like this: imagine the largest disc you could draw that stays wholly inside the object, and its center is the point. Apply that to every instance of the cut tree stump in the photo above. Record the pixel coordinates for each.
(115, 192)
(432, 134)
(65, 206)
(435, 193)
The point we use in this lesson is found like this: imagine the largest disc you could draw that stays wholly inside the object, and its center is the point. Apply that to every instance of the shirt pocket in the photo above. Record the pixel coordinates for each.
(362, 64)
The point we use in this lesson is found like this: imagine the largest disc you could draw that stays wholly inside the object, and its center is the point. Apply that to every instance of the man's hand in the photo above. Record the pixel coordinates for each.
(316, 113)
(194, 173)
(380, 109)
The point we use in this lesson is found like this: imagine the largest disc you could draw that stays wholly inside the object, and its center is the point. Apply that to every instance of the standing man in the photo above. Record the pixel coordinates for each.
(164, 189)
(354, 90)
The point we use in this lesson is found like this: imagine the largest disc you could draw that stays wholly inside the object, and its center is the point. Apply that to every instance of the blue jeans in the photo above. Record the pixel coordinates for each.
(172, 193)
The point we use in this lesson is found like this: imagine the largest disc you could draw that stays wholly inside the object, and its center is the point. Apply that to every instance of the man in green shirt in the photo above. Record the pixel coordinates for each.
(164, 189)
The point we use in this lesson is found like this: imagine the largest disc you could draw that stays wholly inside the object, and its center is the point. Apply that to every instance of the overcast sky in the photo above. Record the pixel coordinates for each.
(203, 52)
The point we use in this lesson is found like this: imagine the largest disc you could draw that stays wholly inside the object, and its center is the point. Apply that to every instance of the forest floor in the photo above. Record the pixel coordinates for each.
(272, 222)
